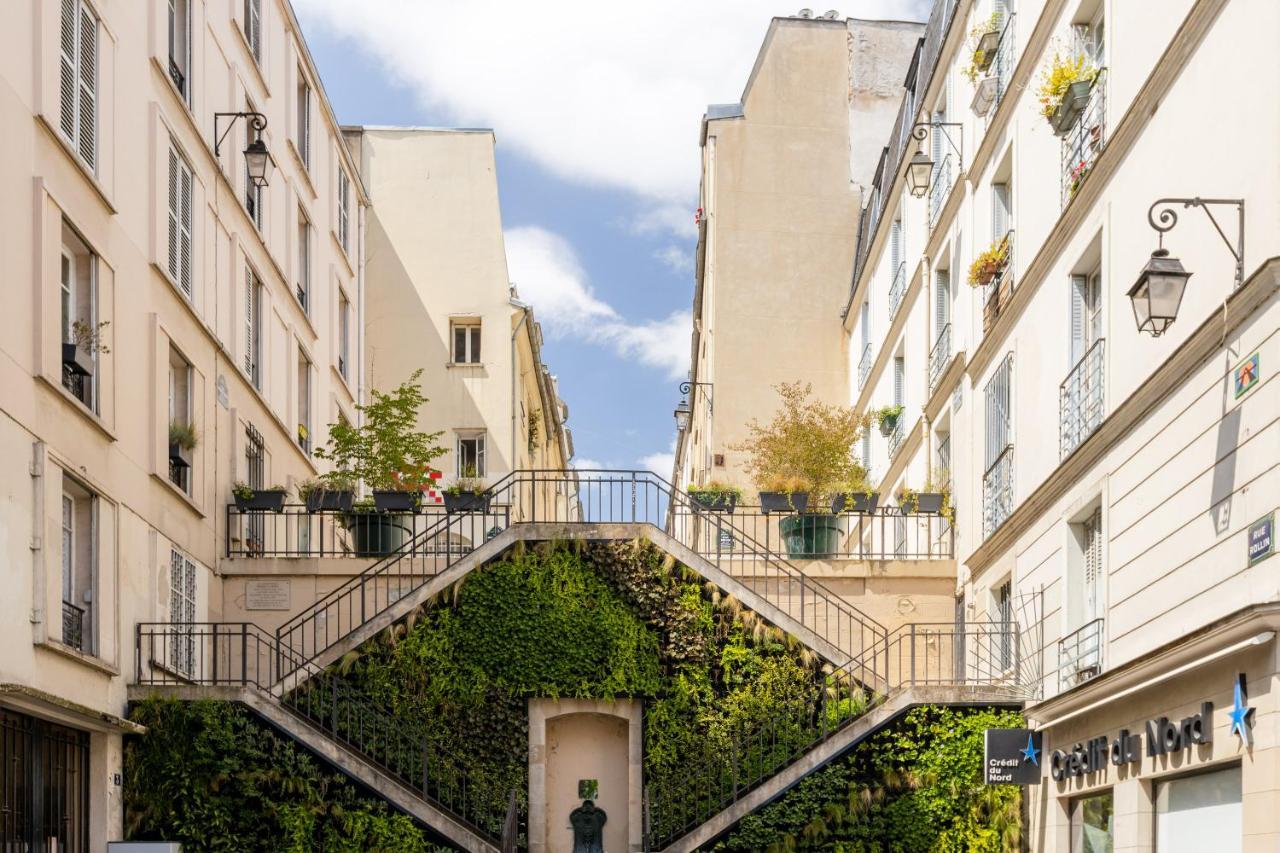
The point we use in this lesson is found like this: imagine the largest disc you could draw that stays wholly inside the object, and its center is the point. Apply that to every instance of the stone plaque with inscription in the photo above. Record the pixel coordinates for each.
(267, 595)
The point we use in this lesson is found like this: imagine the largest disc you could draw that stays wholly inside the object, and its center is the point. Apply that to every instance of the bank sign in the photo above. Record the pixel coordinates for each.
(1011, 756)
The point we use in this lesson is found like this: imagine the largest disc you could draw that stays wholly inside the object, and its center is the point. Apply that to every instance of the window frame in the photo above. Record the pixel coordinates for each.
(84, 537)
(77, 306)
(180, 65)
(344, 210)
(472, 341)
(344, 334)
(305, 379)
(181, 477)
(480, 440)
(72, 74)
(180, 262)
(183, 596)
(252, 364)
(303, 280)
(303, 129)
(253, 28)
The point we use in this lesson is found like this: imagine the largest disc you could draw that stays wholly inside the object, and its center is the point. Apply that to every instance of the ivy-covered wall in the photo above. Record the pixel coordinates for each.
(915, 787)
(214, 777)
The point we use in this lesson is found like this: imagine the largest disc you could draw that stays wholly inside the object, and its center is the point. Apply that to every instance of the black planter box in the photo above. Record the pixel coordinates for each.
(392, 501)
(466, 502)
(180, 456)
(860, 503)
(887, 424)
(1074, 100)
(712, 502)
(263, 500)
(985, 52)
(319, 500)
(77, 360)
(783, 501)
(929, 503)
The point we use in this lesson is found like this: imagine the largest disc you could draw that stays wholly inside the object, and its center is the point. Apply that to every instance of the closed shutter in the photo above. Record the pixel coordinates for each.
(899, 378)
(999, 210)
(88, 85)
(942, 301)
(895, 246)
(174, 266)
(866, 324)
(1092, 564)
(78, 79)
(1078, 296)
(70, 72)
(250, 326)
(181, 212)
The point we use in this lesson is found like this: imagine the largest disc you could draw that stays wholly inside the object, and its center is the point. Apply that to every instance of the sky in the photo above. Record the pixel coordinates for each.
(596, 108)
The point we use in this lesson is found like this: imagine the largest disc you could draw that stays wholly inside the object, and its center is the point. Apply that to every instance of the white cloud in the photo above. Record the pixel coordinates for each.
(548, 276)
(661, 463)
(677, 260)
(601, 94)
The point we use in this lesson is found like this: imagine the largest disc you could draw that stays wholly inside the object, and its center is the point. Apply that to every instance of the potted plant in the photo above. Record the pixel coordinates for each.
(466, 494)
(715, 496)
(857, 502)
(924, 502)
(801, 460)
(390, 455)
(1078, 173)
(86, 341)
(321, 495)
(1064, 89)
(887, 419)
(182, 440)
(989, 263)
(984, 43)
(249, 499)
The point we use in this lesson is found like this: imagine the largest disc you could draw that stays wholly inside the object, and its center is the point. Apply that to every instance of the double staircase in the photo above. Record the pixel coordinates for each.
(873, 674)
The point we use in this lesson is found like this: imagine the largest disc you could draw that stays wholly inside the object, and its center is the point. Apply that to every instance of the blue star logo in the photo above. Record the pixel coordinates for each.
(1031, 753)
(1240, 714)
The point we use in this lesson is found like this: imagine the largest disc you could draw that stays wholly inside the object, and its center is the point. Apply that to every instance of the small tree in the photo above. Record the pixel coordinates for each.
(387, 451)
(808, 446)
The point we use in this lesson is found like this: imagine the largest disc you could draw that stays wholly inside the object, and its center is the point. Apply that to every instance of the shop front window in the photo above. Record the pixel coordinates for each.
(1093, 824)
(1200, 812)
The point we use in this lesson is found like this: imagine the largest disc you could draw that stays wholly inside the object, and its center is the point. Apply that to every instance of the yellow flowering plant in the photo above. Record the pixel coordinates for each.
(1064, 69)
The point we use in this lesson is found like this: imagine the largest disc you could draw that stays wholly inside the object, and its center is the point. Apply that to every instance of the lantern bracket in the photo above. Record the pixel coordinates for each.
(920, 132)
(687, 387)
(1167, 218)
(257, 120)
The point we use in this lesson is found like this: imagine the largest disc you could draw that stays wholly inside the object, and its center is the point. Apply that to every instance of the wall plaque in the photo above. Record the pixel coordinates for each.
(267, 595)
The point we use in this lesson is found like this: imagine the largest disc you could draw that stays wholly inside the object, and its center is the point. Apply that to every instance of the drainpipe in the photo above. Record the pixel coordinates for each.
(524, 316)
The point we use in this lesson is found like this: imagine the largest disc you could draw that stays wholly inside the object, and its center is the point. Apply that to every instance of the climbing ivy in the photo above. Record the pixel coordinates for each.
(209, 775)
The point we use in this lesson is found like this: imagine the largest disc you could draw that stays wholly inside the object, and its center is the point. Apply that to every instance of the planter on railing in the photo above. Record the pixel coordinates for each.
(262, 500)
(394, 500)
(376, 534)
(180, 456)
(924, 503)
(1073, 102)
(76, 359)
(858, 503)
(466, 502)
(724, 502)
(340, 500)
(784, 501)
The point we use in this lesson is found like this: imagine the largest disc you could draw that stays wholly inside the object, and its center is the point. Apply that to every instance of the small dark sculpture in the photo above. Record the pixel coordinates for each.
(588, 828)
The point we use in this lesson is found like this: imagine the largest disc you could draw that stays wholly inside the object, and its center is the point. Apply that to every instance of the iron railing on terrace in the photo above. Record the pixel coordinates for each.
(1080, 654)
(864, 365)
(939, 356)
(896, 435)
(734, 763)
(1085, 139)
(1082, 405)
(240, 654)
(897, 289)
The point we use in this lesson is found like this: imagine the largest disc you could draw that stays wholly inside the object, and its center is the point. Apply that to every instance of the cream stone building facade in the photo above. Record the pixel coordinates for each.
(1114, 492)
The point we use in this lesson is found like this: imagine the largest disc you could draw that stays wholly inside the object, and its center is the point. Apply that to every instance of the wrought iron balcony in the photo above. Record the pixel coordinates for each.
(179, 79)
(939, 356)
(1084, 140)
(997, 491)
(897, 289)
(895, 437)
(1004, 62)
(864, 365)
(1083, 398)
(73, 625)
(1080, 654)
(940, 188)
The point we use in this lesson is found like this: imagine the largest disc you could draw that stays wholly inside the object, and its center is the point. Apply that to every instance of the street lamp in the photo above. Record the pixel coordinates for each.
(1157, 294)
(682, 415)
(257, 158)
(920, 168)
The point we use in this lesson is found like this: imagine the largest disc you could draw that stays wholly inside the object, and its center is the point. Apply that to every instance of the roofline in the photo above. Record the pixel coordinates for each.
(362, 128)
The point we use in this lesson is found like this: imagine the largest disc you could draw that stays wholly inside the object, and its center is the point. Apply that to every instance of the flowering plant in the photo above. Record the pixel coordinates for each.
(989, 263)
(980, 59)
(1063, 70)
(1078, 174)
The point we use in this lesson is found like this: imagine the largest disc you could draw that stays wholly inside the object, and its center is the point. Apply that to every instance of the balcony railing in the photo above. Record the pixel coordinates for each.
(1002, 66)
(72, 625)
(1083, 398)
(940, 188)
(1080, 654)
(895, 437)
(864, 365)
(997, 492)
(1084, 141)
(939, 356)
(897, 289)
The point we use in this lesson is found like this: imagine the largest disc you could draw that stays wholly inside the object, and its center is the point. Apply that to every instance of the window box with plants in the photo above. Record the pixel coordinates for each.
(715, 497)
(984, 43)
(334, 495)
(856, 503)
(989, 263)
(887, 418)
(182, 444)
(249, 499)
(1065, 84)
(390, 455)
(86, 342)
(466, 494)
(801, 461)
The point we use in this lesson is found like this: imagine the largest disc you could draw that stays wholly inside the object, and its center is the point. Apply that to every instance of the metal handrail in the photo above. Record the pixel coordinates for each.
(864, 365)
(1080, 654)
(897, 289)
(997, 491)
(939, 356)
(940, 185)
(1082, 399)
(896, 436)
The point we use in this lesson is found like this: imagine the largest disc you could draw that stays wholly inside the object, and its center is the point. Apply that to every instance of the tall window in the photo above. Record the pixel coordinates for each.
(181, 421)
(470, 454)
(1083, 401)
(182, 611)
(180, 46)
(304, 259)
(344, 334)
(253, 327)
(79, 79)
(81, 335)
(79, 556)
(252, 190)
(344, 210)
(304, 118)
(997, 482)
(1001, 210)
(1002, 617)
(466, 342)
(181, 211)
(304, 401)
(253, 27)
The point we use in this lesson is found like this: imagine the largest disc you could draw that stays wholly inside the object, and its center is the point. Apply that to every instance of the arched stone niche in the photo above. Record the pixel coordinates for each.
(575, 739)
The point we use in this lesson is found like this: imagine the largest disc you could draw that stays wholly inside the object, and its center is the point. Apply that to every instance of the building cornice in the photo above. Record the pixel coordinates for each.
(1127, 133)
(1172, 373)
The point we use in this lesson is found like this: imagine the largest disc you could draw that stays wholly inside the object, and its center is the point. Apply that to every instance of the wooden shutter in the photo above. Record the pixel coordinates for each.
(1078, 309)
(174, 268)
(249, 324)
(942, 301)
(895, 245)
(899, 378)
(186, 211)
(69, 60)
(88, 87)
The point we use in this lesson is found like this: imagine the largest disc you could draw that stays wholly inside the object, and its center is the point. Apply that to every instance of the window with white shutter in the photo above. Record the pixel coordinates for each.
(253, 327)
(344, 334)
(1000, 211)
(78, 83)
(899, 379)
(181, 212)
(253, 27)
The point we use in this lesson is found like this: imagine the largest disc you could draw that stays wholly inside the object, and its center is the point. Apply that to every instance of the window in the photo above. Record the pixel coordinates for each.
(1093, 824)
(940, 353)
(466, 342)
(997, 481)
(181, 439)
(304, 401)
(252, 190)
(344, 334)
(1002, 619)
(79, 560)
(253, 27)
(182, 612)
(304, 119)
(1001, 211)
(1200, 812)
(253, 327)
(470, 455)
(1083, 403)
(81, 334)
(79, 79)
(344, 210)
(304, 259)
(44, 789)
(180, 47)
(1080, 649)
(181, 210)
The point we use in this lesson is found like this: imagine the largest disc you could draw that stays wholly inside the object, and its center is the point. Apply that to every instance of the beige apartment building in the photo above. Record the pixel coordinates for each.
(1114, 490)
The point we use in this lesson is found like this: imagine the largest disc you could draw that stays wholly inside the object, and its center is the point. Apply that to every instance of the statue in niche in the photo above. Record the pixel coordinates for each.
(588, 828)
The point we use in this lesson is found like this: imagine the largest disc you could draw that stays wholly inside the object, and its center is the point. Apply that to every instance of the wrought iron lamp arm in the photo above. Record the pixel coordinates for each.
(920, 132)
(258, 120)
(686, 387)
(1169, 218)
